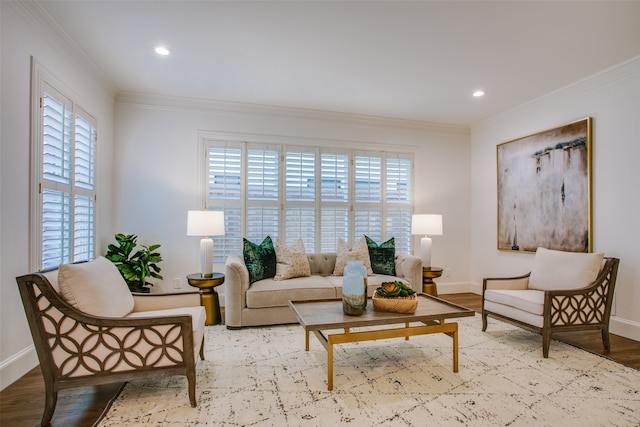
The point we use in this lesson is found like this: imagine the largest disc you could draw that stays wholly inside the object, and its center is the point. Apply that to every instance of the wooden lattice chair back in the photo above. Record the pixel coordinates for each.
(78, 349)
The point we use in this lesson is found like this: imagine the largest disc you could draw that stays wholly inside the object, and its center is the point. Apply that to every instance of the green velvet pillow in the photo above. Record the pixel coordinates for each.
(259, 259)
(383, 256)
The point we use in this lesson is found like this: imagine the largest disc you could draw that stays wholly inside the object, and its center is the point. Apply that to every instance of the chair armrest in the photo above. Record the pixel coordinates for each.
(588, 305)
(504, 283)
(237, 284)
(163, 301)
(409, 267)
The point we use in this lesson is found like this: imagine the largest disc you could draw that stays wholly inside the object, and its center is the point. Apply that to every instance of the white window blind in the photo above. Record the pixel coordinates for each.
(317, 194)
(66, 156)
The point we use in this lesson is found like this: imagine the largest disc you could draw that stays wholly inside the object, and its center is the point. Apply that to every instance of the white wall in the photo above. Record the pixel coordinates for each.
(612, 98)
(157, 180)
(21, 37)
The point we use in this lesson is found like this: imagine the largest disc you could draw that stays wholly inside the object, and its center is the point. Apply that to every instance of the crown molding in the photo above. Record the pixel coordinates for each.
(240, 108)
(36, 14)
(609, 76)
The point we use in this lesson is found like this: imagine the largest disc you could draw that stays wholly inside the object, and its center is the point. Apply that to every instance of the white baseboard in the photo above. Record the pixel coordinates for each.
(16, 366)
(624, 328)
(458, 288)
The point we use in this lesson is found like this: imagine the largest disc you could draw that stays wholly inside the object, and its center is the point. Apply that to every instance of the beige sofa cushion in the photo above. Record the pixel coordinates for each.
(95, 288)
(274, 293)
(557, 270)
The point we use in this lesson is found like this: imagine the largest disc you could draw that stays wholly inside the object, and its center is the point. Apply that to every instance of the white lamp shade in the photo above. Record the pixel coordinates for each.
(205, 223)
(426, 224)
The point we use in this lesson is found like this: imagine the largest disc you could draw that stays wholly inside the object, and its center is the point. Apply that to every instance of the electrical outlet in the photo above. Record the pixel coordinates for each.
(177, 283)
(447, 272)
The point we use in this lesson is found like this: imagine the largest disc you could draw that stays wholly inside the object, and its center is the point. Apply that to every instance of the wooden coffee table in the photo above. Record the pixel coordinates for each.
(326, 315)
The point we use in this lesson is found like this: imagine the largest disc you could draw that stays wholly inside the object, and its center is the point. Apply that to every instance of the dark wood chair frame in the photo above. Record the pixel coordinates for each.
(51, 319)
(569, 310)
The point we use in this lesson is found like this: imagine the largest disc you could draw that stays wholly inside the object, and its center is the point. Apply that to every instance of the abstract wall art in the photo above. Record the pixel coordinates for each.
(544, 190)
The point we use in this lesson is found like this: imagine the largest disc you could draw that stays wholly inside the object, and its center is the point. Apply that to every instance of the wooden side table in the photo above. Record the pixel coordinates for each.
(208, 295)
(428, 285)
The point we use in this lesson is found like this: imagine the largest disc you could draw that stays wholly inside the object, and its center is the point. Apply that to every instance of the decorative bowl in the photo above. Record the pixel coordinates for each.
(405, 305)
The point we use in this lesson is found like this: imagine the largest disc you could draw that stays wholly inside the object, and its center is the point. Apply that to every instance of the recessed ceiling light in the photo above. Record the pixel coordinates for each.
(163, 51)
(478, 93)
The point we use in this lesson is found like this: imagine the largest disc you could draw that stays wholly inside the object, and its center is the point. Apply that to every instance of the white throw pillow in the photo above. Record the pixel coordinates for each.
(95, 288)
(291, 261)
(557, 270)
(360, 252)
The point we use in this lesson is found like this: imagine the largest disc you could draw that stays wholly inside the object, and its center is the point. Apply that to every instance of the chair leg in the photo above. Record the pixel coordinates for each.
(202, 349)
(484, 321)
(191, 378)
(546, 343)
(606, 343)
(50, 400)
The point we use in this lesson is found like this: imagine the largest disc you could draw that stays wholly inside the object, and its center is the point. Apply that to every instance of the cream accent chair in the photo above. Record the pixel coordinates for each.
(88, 329)
(565, 291)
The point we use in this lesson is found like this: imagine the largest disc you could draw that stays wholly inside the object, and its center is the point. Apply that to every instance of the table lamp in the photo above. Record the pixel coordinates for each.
(205, 223)
(426, 224)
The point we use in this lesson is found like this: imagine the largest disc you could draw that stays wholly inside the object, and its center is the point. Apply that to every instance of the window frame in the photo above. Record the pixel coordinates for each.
(43, 82)
(284, 144)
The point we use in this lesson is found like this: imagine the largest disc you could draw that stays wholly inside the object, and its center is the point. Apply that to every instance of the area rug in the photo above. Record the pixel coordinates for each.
(264, 377)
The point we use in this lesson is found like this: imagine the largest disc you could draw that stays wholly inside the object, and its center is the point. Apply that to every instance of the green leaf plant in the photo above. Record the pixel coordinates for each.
(136, 268)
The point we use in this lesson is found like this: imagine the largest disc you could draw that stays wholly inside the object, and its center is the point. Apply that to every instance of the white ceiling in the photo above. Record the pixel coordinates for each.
(417, 60)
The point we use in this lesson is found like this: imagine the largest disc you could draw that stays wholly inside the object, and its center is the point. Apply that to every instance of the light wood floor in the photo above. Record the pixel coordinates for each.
(21, 403)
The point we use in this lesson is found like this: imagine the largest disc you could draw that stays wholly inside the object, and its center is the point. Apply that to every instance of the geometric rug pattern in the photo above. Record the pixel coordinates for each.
(264, 377)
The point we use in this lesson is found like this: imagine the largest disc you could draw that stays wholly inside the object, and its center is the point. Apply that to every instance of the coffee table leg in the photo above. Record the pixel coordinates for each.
(306, 340)
(455, 347)
(330, 366)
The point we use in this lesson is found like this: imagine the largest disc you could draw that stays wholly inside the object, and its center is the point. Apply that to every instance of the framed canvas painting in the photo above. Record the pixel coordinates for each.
(544, 190)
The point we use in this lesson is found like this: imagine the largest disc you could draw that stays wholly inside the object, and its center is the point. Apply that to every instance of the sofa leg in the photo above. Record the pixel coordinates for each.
(484, 321)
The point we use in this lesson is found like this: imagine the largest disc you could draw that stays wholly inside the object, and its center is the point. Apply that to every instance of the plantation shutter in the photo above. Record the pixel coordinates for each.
(334, 198)
(225, 192)
(300, 194)
(368, 196)
(262, 193)
(67, 147)
(398, 202)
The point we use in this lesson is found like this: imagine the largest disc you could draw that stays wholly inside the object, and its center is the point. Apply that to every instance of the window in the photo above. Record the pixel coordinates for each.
(64, 166)
(317, 194)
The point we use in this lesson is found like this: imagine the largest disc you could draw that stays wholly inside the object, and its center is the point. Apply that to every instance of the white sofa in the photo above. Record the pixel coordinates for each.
(266, 302)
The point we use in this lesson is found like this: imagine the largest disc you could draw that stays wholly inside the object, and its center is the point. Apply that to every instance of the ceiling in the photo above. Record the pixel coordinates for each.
(418, 60)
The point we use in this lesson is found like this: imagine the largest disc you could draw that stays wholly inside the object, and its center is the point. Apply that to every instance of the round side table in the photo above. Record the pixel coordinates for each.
(208, 294)
(428, 285)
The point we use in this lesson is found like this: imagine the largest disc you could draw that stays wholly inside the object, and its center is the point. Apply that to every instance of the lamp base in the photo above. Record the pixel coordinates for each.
(425, 251)
(206, 257)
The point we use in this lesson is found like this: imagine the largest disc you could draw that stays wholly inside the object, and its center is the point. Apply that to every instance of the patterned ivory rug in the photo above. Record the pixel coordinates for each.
(263, 377)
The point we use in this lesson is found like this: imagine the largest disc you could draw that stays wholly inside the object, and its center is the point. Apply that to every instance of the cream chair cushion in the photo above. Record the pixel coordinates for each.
(557, 270)
(95, 288)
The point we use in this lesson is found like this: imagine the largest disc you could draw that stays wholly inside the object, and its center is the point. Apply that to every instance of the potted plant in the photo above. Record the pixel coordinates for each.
(135, 267)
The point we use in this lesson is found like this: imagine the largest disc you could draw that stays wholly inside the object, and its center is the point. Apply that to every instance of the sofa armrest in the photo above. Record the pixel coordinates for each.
(409, 267)
(504, 283)
(163, 301)
(237, 284)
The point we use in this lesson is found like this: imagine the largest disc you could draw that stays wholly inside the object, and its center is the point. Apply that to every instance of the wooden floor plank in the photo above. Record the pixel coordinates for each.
(22, 402)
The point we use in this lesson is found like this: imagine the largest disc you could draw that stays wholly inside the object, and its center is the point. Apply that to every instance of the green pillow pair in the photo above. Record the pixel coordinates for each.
(259, 259)
(382, 256)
